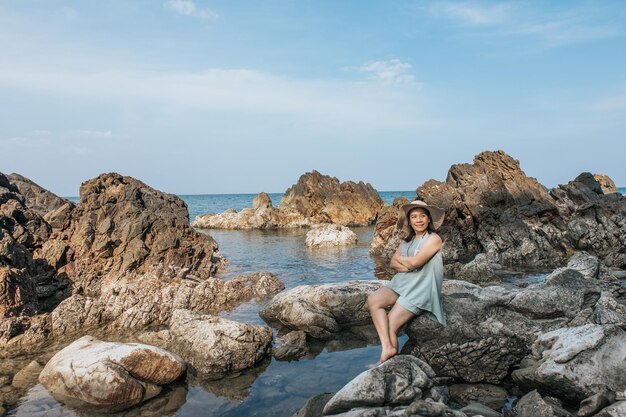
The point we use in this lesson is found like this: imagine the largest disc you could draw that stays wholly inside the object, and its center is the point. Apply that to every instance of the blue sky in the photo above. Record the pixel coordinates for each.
(228, 97)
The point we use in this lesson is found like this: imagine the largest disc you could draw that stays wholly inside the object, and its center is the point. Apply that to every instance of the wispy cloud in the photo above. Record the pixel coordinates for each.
(392, 72)
(472, 14)
(558, 27)
(189, 8)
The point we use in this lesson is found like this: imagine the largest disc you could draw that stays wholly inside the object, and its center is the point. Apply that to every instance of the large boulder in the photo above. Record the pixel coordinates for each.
(321, 310)
(314, 199)
(109, 376)
(214, 346)
(492, 207)
(329, 236)
(575, 363)
(491, 329)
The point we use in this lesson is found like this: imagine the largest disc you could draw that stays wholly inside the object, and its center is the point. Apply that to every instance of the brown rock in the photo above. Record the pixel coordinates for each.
(37, 198)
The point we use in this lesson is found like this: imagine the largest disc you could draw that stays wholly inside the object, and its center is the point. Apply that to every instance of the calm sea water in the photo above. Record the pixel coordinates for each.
(273, 388)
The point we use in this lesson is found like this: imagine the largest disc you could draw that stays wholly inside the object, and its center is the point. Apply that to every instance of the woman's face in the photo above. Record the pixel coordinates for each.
(418, 219)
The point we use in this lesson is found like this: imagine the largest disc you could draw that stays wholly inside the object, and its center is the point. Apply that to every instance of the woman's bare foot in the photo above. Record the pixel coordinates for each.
(388, 353)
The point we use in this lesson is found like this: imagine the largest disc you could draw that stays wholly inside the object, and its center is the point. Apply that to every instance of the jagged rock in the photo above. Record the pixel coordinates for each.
(321, 310)
(398, 381)
(574, 363)
(314, 199)
(387, 236)
(491, 396)
(216, 346)
(478, 271)
(314, 406)
(533, 405)
(123, 227)
(37, 198)
(492, 207)
(330, 235)
(591, 405)
(606, 183)
(491, 329)
(109, 376)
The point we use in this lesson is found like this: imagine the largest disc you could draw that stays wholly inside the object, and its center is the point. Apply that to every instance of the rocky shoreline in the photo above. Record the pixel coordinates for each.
(125, 260)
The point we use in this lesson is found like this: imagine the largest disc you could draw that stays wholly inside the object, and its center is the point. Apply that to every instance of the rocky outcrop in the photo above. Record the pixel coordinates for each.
(109, 376)
(574, 363)
(37, 198)
(533, 405)
(314, 199)
(492, 207)
(329, 236)
(321, 310)
(491, 329)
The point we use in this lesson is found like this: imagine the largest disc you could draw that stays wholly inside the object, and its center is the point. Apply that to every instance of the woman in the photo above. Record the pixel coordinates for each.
(416, 288)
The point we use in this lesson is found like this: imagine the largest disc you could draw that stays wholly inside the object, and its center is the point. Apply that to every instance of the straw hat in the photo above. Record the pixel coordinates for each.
(436, 214)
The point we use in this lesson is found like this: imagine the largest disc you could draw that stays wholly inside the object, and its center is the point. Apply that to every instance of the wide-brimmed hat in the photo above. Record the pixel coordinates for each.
(436, 214)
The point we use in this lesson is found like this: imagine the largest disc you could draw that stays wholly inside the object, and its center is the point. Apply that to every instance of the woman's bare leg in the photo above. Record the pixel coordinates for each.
(377, 302)
(398, 316)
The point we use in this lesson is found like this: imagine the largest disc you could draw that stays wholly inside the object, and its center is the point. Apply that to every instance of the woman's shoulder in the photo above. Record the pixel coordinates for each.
(434, 238)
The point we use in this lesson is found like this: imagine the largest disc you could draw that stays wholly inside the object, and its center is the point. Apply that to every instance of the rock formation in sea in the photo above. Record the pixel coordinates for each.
(493, 208)
(330, 235)
(314, 199)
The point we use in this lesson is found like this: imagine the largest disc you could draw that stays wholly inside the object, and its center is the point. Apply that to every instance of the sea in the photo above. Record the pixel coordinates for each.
(273, 388)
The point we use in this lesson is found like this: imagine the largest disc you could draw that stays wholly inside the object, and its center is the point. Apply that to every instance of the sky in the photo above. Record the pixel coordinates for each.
(207, 97)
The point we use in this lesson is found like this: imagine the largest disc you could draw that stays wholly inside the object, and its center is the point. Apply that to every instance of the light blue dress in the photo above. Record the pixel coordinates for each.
(420, 289)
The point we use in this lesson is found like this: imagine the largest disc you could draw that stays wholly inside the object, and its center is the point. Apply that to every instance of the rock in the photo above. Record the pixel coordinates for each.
(614, 410)
(532, 405)
(321, 310)
(291, 346)
(575, 363)
(387, 237)
(27, 376)
(478, 271)
(492, 207)
(330, 235)
(314, 406)
(216, 346)
(37, 198)
(123, 227)
(477, 409)
(606, 183)
(109, 376)
(429, 408)
(491, 396)
(314, 199)
(591, 405)
(491, 329)
(398, 381)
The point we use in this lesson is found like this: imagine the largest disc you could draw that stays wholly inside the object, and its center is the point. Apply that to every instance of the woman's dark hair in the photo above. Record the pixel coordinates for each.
(409, 237)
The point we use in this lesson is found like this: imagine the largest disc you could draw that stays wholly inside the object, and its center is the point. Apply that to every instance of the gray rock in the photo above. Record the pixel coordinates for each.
(429, 408)
(591, 405)
(478, 271)
(314, 406)
(477, 409)
(575, 363)
(330, 235)
(614, 410)
(492, 396)
(398, 381)
(321, 310)
(291, 346)
(533, 405)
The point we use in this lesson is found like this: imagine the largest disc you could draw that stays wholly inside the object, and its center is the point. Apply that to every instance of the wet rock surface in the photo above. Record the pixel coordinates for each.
(492, 207)
(109, 376)
(314, 199)
(321, 310)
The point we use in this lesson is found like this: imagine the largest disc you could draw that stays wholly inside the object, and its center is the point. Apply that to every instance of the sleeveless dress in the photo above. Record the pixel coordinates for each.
(419, 290)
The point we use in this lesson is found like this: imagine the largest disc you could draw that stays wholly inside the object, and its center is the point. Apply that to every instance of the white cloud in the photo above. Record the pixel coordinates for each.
(189, 8)
(392, 72)
(551, 29)
(472, 14)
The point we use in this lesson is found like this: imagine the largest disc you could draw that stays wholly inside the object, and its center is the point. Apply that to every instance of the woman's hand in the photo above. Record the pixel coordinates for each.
(395, 264)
